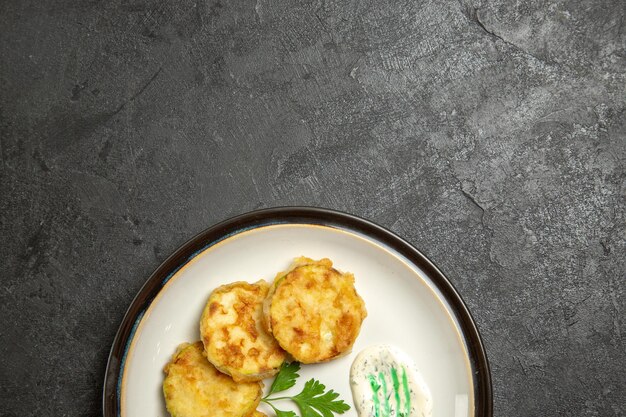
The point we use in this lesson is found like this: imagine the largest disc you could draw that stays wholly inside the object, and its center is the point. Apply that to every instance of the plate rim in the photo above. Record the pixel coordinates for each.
(483, 390)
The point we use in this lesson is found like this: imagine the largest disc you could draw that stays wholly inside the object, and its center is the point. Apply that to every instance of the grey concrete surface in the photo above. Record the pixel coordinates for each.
(490, 134)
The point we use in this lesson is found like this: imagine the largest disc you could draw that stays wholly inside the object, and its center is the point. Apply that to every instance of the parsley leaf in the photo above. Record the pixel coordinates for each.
(285, 379)
(313, 401)
(280, 413)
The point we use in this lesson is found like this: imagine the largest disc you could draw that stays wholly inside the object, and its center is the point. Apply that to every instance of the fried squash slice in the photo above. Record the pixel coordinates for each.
(194, 388)
(314, 311)
(235, 339)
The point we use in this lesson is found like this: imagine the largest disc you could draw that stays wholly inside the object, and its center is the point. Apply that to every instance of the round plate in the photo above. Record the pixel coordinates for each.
(409, 301)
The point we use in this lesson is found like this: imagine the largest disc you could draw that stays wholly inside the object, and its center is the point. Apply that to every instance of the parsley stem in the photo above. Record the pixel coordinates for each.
(271, 405)
(265, 399)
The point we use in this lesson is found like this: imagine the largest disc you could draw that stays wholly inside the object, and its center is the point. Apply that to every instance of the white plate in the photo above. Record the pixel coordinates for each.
(410, 304)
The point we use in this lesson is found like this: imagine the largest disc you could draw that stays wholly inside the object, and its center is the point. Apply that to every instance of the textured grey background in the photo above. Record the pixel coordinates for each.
(490, 134)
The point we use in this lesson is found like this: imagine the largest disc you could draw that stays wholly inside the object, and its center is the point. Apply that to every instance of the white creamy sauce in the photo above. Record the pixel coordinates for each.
(386, 383)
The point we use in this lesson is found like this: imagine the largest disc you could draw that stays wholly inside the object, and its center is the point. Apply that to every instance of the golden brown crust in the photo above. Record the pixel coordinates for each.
(234, 338)
(314, 311)
(194, 388)
(256, 413)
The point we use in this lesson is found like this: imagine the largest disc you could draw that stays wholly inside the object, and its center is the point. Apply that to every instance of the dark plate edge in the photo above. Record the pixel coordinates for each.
(308, 215)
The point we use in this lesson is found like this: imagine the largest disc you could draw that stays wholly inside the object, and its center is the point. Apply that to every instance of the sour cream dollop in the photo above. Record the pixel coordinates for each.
(385, 382)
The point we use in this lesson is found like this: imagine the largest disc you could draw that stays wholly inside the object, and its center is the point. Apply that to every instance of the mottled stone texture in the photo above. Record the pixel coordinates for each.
(490, 134)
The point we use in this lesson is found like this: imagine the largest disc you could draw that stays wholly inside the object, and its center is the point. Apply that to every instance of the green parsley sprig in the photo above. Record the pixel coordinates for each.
(313, 401)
